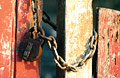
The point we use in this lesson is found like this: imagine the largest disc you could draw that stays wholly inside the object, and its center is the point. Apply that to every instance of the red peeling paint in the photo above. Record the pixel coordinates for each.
(109, 44)
(7, 38)
(11, 66)
(25, 69)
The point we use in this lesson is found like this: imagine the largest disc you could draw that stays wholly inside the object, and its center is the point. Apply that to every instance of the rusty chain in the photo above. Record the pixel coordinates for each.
(90, 46)
(35, 10)
(89, 52)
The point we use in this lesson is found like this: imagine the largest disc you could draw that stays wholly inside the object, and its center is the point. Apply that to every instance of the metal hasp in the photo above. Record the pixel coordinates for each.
(109, 43)
(74, 21)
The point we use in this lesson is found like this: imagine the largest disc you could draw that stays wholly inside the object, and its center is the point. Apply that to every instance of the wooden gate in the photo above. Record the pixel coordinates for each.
(109, 43)
(75, 24)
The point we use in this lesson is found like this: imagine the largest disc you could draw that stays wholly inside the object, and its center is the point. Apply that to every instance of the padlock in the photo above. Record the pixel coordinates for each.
(30, 49)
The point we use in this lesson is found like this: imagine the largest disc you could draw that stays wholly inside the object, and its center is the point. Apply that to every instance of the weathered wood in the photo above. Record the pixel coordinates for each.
(109, 42)
(11, 66)
(24, 16)
(74, 32)
(7, 38)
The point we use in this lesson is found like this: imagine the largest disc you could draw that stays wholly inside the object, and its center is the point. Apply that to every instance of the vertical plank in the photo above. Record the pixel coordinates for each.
(61, 34)
(7, 38)
(24, 16)
(109, 42)
(74, 33)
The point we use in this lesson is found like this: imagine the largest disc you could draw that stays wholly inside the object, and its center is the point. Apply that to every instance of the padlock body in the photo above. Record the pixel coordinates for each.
(29, 48)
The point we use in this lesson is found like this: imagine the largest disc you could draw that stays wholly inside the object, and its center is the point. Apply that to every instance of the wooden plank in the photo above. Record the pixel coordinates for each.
(61, 35)
(24, 16)
(7, 38)
(74, 30)
(109, 42)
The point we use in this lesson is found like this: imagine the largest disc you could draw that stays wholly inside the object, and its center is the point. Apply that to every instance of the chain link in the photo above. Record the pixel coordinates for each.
(90, 50)
(35, 10)
(90, 46)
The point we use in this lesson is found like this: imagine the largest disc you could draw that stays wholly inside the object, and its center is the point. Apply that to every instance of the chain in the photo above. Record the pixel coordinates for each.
(89, 52)
(35, 10)
(90, 46)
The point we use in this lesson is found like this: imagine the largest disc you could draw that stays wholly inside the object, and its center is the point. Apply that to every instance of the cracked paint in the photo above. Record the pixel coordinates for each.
(109, 43)
(7, 38)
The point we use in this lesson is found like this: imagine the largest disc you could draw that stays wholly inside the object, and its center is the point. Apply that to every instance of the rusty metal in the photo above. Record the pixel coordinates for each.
(89, 52)
(90, 47)
(53, 41)
(26, 53)
(35, 10)
(45, 38)
(24, 18)
(30, 49)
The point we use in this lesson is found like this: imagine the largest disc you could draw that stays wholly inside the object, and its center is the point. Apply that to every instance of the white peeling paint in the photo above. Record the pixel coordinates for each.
(2, 68)
(1, 39)
(19, 6)
(0, 7)
(5, 45)
(118, 53)
(7, 52)
(113, 56)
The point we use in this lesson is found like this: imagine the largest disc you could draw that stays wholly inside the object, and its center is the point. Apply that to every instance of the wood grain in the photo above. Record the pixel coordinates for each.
(73, 34)
(78, 26)
(109, 42)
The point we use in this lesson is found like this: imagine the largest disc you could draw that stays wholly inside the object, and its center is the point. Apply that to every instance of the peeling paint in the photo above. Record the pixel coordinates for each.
(6, 52)
(24, 16)
(7, 37)
(118, 54)
(0, 7)
(6, 45)
(2, 68)
(108, 45)
(114, 58)
(78, 28)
